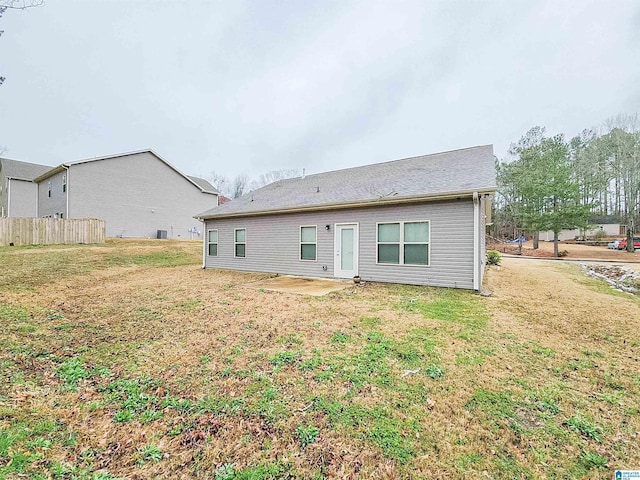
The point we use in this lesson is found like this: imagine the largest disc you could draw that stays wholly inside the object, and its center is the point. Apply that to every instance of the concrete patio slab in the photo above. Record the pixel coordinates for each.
(301, 285)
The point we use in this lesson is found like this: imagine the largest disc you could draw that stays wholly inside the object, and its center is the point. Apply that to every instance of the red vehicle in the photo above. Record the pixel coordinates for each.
(623, 243)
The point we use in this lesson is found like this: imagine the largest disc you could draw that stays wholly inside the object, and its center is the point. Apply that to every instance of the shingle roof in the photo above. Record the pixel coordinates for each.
(458, 172)
(22, 170)
(203, 184)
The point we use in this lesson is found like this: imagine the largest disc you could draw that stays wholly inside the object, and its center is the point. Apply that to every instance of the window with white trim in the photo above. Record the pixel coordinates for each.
(240, 242)
(308, 242)
(64, 183)
(403, 243)
(49, 188)
(212, 243)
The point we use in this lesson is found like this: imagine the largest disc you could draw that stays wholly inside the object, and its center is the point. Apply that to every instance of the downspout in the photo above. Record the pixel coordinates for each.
(476, 241)
(8, 197)
(204, 243)
(66, 194)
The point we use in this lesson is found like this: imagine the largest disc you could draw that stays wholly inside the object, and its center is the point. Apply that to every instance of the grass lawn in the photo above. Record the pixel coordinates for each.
(128, 360)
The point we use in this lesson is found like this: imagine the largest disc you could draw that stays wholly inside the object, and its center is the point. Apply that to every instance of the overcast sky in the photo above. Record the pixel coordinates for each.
(247, 87)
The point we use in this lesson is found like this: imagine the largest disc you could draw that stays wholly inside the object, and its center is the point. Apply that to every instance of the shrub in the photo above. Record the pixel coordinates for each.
(493, 257)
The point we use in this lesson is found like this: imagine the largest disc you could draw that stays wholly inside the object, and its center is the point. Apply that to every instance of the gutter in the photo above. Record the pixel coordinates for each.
(360, 204)
(204, 244)
(9, 197)
(50, 173)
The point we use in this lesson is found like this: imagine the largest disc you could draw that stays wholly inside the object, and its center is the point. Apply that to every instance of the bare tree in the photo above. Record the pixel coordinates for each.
(20, 4)
(232, 188)
(239, 185)
(219, 181)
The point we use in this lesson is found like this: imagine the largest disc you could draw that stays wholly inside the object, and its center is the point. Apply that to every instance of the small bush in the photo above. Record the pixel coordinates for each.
(563, 253)
(493, 257)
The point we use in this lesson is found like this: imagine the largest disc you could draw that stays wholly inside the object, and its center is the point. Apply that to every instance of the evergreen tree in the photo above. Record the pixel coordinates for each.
(543, 193)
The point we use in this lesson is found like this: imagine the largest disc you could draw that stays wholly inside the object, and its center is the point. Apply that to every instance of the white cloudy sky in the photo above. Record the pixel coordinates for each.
(250, 86)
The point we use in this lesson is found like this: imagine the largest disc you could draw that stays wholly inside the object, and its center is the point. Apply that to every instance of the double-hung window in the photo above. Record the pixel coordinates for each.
(403, 243)
(64, 183)
(240, 242)
(212, 243)
(308, 243)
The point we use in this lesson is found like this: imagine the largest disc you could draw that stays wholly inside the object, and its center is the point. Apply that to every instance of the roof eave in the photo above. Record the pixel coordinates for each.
(19, 178)
(361, 204)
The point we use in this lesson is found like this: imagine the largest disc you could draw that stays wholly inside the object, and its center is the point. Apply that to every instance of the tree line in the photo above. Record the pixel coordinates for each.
(549, 183)
(240, 184)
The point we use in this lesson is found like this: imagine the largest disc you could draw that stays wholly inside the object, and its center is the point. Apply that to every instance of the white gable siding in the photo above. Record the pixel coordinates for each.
(273, 243)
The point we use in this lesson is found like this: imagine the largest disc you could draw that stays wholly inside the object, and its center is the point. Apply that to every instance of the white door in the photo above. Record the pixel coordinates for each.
(346, 259)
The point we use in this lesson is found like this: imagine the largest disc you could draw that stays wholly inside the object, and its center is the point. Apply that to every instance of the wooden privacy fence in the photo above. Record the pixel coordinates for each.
(51, 231)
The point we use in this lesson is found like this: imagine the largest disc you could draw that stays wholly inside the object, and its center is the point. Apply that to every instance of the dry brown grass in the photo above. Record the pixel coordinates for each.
(539, 380)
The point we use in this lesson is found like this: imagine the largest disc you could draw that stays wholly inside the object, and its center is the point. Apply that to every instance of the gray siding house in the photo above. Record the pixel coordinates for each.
(138, 194)
(417, 221)
(18, 191)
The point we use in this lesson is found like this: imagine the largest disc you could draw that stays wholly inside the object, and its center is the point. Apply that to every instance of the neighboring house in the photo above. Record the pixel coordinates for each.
(138, 194)
(18, 191)
(601, 226)
(416, 221)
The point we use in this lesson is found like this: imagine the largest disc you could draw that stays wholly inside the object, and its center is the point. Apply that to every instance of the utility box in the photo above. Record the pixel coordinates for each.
(162, 234)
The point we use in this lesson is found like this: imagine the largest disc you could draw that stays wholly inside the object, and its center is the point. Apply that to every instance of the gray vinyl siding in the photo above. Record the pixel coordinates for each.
(21, 199)
(57, 202)
(136, 195)
(273, 243)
